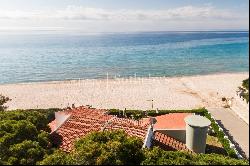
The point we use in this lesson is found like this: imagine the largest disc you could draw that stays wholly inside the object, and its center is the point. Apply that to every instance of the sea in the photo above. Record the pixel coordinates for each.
(39, 57)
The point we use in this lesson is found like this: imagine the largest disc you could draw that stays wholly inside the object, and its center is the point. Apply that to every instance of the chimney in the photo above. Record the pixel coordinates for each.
(150, 133)
(196, 133)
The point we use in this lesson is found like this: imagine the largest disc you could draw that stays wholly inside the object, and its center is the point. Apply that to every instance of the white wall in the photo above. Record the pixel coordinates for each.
(60, 118)
(179, 135)
(149, 137)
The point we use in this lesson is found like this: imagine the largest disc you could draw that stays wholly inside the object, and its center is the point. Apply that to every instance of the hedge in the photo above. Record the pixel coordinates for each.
(157, 156)
(153, 113)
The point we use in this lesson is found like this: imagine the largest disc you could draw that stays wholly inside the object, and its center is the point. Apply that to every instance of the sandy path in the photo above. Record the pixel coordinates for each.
(236, 129)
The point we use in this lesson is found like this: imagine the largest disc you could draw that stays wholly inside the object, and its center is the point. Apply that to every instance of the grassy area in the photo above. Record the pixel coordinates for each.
(214, 146)
(212, 140)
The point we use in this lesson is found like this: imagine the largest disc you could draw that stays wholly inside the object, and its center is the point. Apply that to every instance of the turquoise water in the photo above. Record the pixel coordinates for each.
(47, 57)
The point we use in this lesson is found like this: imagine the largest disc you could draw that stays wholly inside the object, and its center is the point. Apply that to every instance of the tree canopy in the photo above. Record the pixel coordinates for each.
(3, 100)
(25, 139)
(117, 148)
(245, 83)
(24, 136)
(101, 148)
(108, 148)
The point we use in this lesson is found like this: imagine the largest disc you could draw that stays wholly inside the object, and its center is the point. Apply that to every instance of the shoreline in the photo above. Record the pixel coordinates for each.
(183, 92)
(119, 78)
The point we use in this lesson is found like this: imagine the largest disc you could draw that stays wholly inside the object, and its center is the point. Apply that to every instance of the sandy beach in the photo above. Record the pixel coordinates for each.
(133, 93)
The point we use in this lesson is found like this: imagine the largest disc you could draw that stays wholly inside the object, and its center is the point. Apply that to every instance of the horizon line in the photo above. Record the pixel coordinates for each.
(117, 32)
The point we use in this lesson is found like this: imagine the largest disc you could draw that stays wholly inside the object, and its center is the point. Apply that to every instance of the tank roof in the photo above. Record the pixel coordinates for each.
(197, 121)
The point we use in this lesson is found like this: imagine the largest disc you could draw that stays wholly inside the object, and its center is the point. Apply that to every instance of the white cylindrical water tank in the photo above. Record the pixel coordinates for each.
(196, 133)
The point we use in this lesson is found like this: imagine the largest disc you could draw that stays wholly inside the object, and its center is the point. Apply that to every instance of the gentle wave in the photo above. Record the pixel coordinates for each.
(61, 57)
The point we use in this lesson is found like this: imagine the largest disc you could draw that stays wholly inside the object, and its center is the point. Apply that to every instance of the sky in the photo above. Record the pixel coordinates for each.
(123, 15)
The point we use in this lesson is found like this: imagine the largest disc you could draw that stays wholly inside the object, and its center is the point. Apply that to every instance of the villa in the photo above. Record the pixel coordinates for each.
(166, 131)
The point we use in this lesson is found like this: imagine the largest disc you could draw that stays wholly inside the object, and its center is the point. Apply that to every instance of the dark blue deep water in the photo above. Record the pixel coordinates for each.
(47, 57)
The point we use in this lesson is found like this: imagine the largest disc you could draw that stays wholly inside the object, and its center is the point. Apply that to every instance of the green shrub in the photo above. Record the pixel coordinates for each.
(138, 114)
(157, 156)
(3, 100)
(26, 153)
(116, 112)
(216, 159)
(57, 158)
(163, 112)
(117, 148)
(246, 96)
(108, 148)
(245, 83)
(245, 93)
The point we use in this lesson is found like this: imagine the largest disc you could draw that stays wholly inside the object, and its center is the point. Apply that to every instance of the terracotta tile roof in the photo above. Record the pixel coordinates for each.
(84, 120)
(131, 127)
(171, 121)
(52, 125)
(169, 143)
